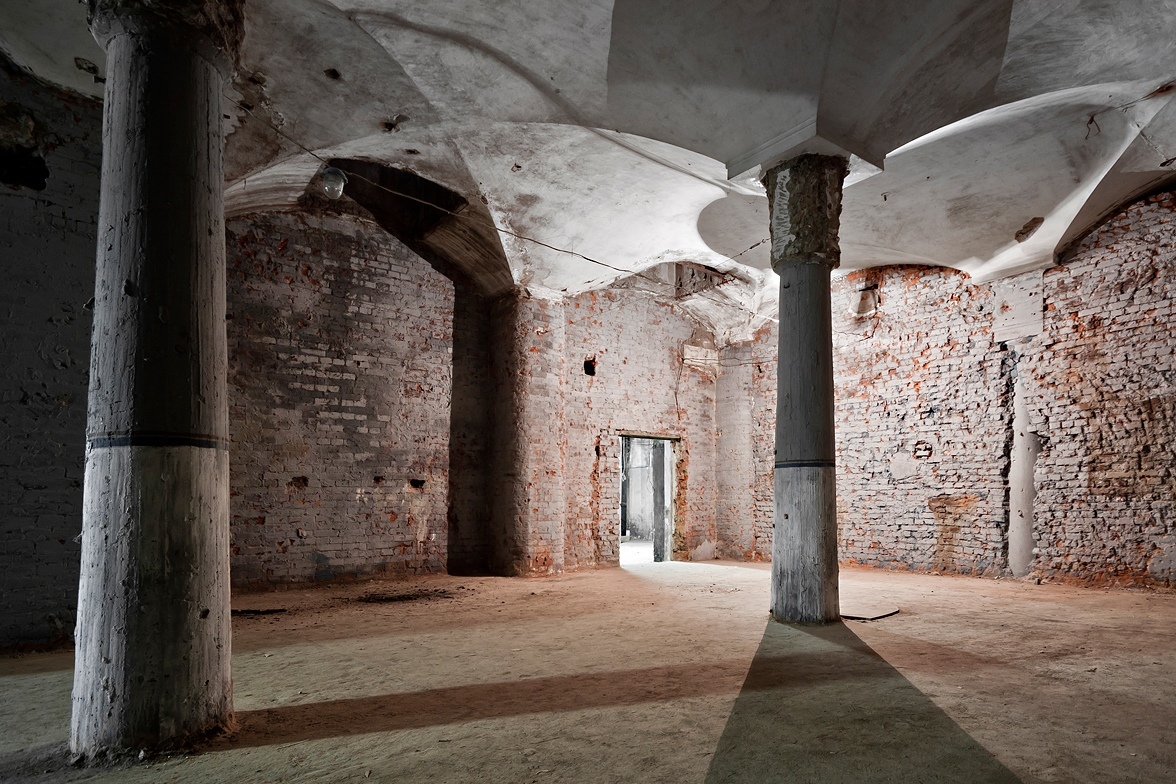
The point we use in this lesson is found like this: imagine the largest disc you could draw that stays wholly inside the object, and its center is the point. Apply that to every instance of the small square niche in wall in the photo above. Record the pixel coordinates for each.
(590, 366)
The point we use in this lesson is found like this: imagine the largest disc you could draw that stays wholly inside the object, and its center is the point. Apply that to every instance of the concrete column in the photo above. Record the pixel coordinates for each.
(153, 638)
(526, 452)
(805, 201)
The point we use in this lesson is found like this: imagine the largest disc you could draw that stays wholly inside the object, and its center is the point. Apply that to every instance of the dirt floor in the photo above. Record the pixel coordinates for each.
(663, 673)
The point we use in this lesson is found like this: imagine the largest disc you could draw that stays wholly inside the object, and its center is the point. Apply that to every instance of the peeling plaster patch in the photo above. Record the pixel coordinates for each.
(22, 143)
(903, 465)
(22, 167)
(952, 513)
(780, 220)
(1161, 564)
(1018, 307)
(707, 551)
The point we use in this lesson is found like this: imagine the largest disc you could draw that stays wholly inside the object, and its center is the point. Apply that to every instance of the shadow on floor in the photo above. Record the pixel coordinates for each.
(474, 702)
(818, 705)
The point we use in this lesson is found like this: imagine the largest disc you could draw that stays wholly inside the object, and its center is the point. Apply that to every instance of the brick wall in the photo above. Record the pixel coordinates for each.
(924, 416)
(47, 262)
(640, 387)
(923, 423)
(470, 536)
(526, 454)
(341, 346)
(745, 412)
(735, 469)
(339, 351)
(1101, 384)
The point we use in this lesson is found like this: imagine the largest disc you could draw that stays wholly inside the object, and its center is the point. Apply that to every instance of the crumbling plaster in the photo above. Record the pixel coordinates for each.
(925, 416)
(546, 111)
(552, 157)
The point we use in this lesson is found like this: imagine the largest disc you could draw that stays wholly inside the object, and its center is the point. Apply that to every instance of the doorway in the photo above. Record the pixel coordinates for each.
(647, 499)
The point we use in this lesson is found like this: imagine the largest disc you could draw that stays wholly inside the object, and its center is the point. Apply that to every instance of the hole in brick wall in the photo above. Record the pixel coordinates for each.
(378, 480)
(690, 278)
(333, 73)
(417, 483)
(867, 302)
(590, 366)
(22, 167)
(298, 483)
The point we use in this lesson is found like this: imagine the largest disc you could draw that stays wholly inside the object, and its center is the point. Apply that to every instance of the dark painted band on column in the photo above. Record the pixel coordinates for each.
(157, 439)
(806, 464)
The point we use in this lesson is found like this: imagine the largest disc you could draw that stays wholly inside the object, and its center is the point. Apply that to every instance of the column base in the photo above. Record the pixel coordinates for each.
(153, 637)
(804, 545)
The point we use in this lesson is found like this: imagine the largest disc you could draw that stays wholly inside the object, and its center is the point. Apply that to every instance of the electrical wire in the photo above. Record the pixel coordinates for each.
(462, 215)
(475, 218)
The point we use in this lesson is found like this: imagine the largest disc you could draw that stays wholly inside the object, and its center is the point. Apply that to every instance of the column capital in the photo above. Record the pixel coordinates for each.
(804, 198)
(213, 29)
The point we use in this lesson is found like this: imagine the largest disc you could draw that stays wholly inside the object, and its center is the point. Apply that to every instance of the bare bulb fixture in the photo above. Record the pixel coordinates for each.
(333, 181)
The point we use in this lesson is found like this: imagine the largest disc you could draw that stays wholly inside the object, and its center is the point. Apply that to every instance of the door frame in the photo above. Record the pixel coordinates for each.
(670, 515)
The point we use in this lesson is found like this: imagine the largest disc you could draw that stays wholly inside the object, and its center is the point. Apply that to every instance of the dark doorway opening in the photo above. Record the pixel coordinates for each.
(647, 499)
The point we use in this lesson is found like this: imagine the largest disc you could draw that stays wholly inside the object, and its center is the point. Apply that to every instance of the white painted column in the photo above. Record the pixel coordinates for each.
(805, 198)
(153, 636)
(1022, 487)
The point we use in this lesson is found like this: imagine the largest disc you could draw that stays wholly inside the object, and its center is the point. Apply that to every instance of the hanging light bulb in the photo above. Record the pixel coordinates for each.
(333, 181)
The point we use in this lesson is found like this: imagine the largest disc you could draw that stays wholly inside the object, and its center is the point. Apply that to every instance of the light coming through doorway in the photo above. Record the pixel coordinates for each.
(647, 499)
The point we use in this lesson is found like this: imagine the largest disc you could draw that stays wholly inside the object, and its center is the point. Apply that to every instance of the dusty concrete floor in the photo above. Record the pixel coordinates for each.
(665, 673)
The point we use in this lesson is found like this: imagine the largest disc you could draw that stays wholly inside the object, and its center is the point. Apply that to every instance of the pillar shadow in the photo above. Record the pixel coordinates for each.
(478, 701)
(818, 705)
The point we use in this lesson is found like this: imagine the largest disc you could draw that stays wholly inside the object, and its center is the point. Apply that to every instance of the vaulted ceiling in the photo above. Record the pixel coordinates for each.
(984, 135)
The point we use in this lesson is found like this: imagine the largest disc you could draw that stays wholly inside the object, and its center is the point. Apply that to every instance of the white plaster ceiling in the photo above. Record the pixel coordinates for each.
(630, 131)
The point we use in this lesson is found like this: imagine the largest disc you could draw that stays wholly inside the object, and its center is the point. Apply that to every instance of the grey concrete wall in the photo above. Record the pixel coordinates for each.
(643, 486)
(47, 244)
